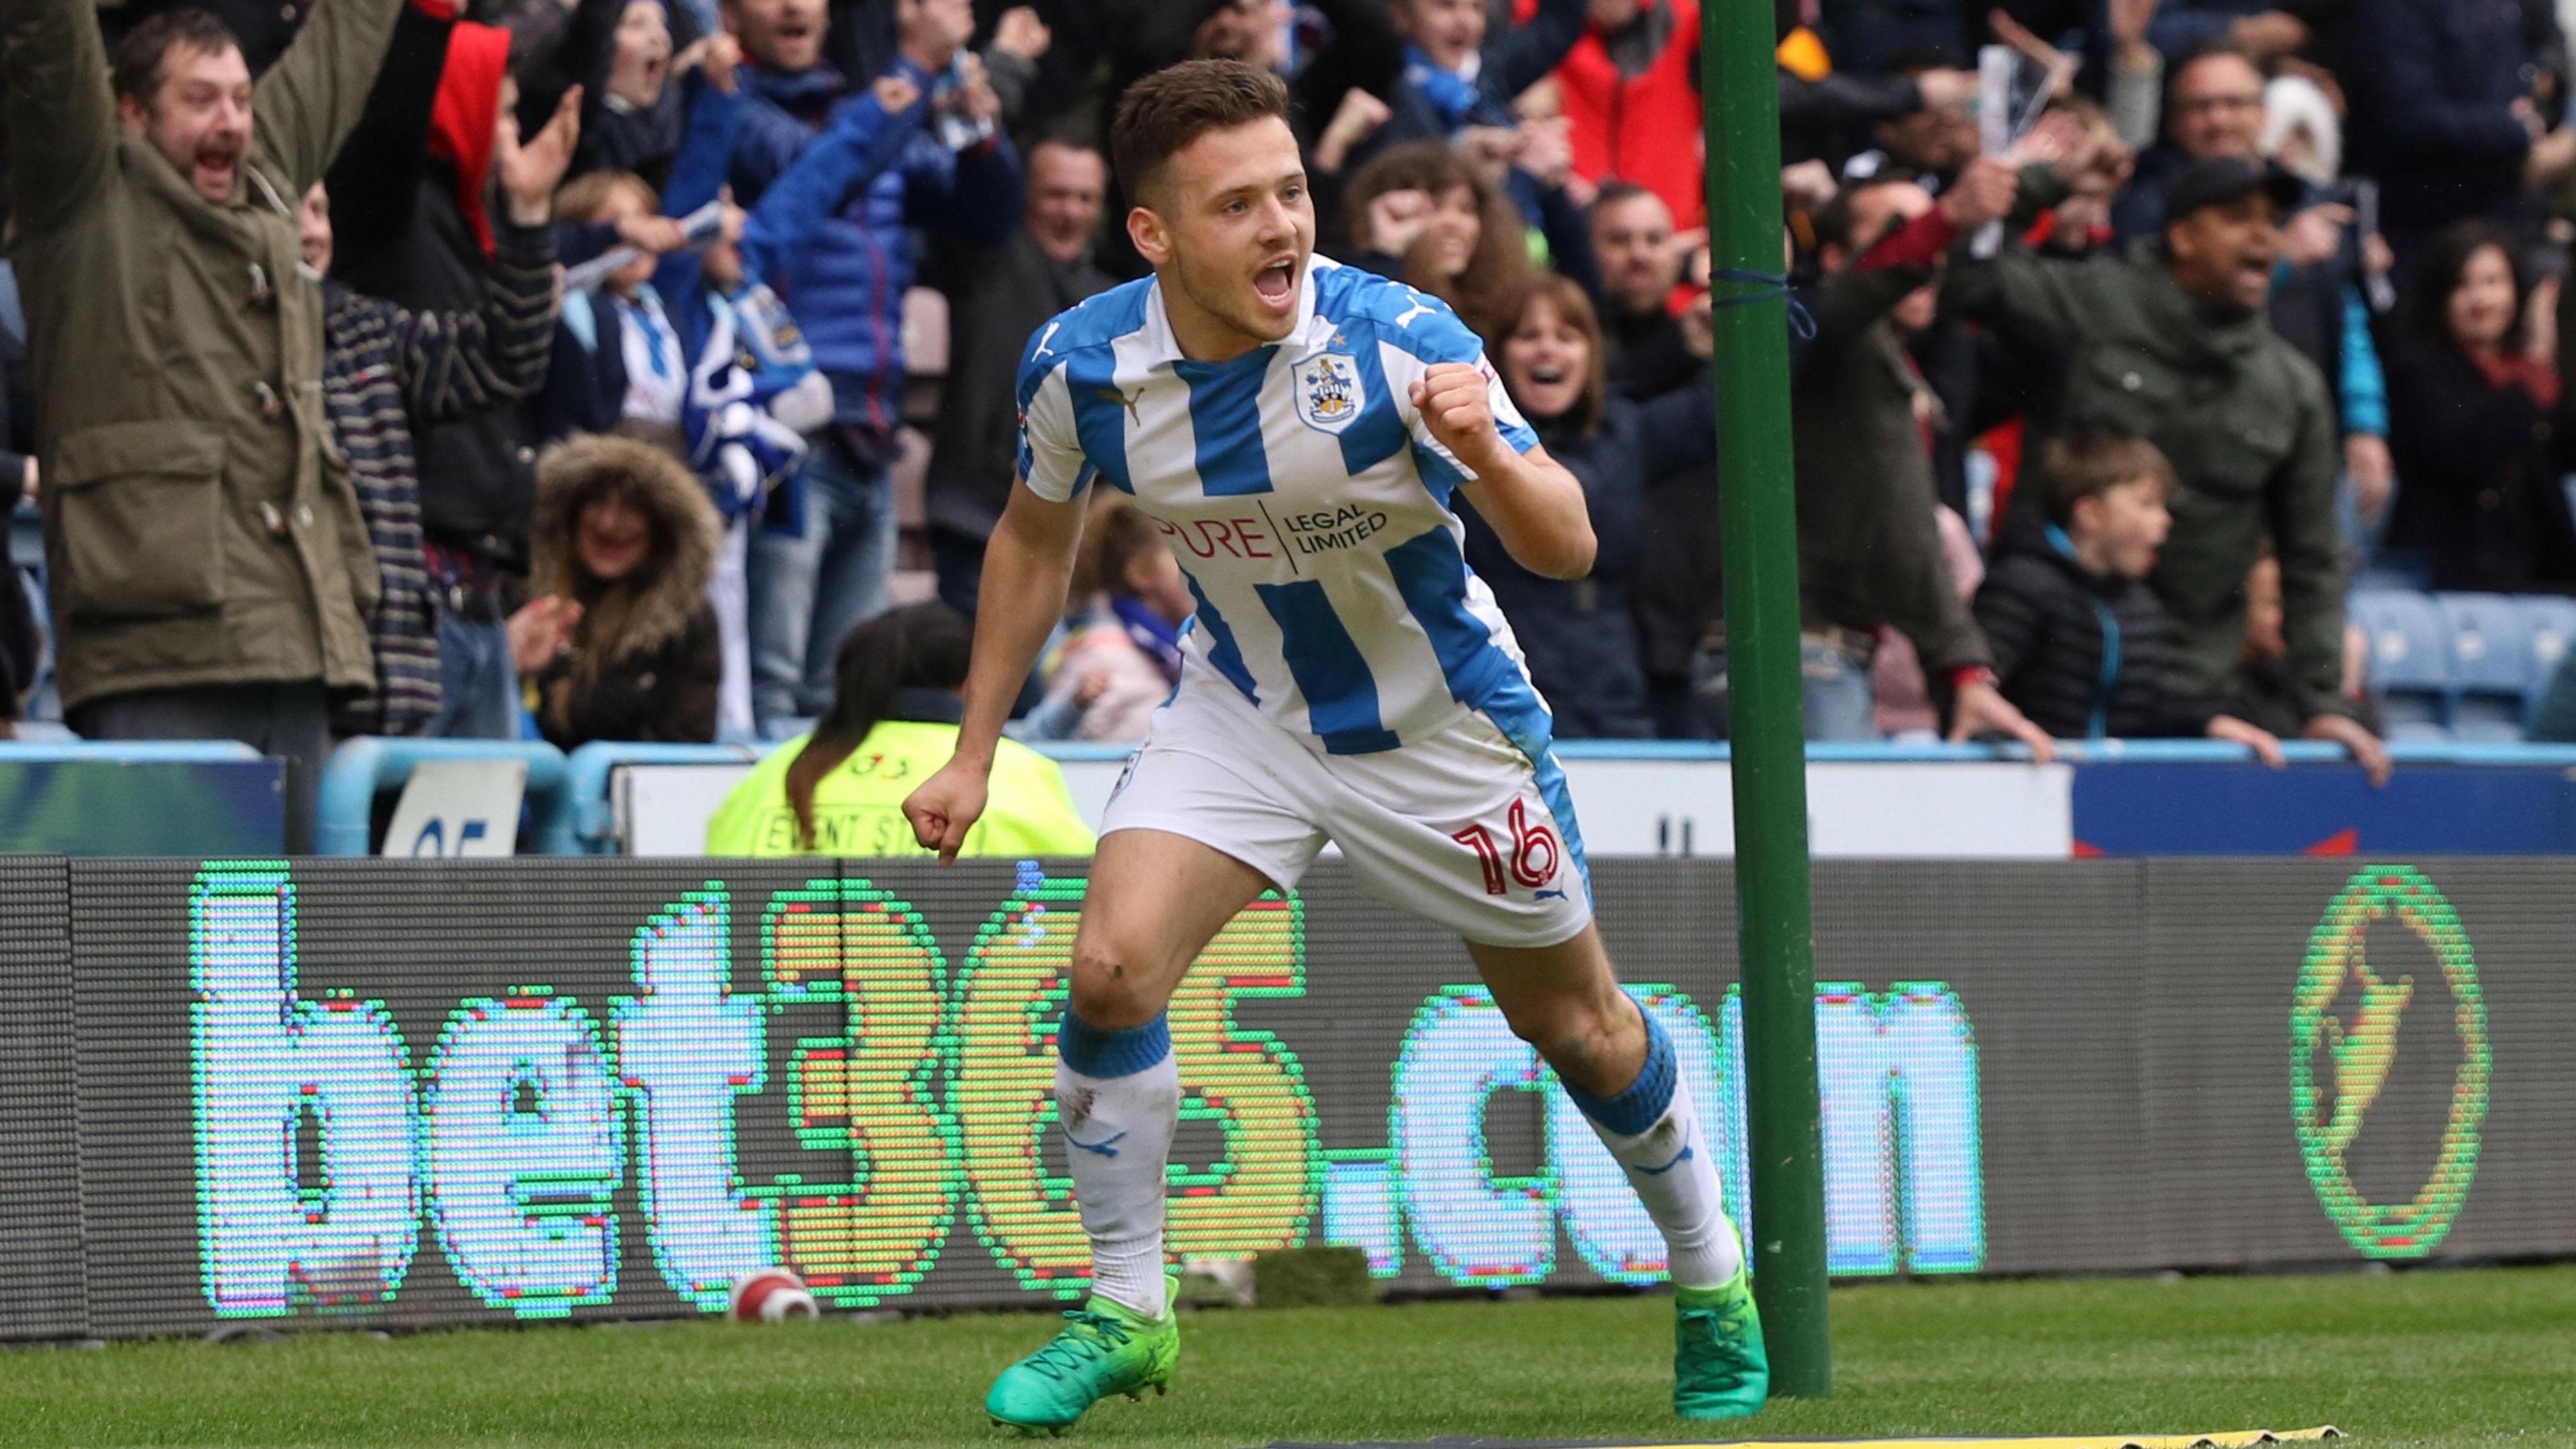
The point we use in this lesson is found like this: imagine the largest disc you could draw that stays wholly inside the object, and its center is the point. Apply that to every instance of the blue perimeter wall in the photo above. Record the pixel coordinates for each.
(2129, 799)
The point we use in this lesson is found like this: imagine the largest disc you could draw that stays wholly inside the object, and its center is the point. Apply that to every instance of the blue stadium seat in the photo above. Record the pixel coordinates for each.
(2553, 632)
(2410, 661)
(2490, 665)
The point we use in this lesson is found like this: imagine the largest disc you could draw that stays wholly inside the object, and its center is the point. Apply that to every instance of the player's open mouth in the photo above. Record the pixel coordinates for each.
(1277, 282)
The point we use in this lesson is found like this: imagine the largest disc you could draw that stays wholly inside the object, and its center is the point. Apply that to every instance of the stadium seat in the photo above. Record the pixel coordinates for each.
(2490, 665)
(2552, 621)
(2410, 661)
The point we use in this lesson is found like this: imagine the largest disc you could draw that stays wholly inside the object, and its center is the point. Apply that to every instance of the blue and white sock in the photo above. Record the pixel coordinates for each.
(1652, 1131)
(1118, 1099)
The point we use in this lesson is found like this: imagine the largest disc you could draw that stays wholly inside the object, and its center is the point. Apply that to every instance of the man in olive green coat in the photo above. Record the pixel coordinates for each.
(209, 570)
(2170, 343)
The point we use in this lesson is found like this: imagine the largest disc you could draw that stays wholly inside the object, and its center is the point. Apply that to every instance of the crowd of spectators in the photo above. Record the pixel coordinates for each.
(500, 368)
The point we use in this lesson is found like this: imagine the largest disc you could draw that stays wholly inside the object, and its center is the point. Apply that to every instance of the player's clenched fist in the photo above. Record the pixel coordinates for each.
(947, 806)
(1451, 398)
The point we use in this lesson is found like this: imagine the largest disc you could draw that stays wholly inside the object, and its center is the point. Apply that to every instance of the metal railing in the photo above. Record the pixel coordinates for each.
(363, 768)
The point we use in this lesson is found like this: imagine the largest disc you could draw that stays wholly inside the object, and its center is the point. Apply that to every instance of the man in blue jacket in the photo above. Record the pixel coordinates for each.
(952, 173)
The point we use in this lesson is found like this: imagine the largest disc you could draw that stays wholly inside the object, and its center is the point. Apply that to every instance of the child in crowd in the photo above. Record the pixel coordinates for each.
(628, 373)
(2079, 640)
(704, 356)
(621, 366)
(638, 127)
(1122, 659)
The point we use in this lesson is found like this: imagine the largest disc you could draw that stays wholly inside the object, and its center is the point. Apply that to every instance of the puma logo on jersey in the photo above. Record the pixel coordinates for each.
(1123, 399)
(1043, 339)
(1419, 308)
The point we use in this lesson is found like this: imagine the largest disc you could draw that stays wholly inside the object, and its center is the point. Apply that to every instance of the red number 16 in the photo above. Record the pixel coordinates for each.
(1534, 854)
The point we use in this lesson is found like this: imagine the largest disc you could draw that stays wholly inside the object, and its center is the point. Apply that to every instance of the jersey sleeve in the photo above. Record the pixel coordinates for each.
(1426, 333)
(1051, 460)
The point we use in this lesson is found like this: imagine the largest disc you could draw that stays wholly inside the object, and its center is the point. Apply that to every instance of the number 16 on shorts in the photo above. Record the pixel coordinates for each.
(1527, 853)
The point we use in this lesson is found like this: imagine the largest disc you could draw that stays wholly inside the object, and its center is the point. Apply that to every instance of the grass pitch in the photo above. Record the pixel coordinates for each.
(2454, 1359)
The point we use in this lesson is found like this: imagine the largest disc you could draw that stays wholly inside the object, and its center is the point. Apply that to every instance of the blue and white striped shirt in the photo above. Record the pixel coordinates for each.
(1304, 497)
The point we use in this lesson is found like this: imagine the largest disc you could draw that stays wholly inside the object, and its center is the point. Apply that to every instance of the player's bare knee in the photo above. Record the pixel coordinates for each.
(1578, 1038)
(1566, 1040)
(1108, 990)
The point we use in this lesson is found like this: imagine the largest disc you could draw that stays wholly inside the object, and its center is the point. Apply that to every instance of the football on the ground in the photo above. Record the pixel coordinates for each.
(771, 1295)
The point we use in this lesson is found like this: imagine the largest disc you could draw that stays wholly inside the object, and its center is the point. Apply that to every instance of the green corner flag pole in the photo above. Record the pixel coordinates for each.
(1758, 508)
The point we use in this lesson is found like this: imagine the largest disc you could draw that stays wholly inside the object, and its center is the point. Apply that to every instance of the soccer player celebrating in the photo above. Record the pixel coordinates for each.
(1297, 429)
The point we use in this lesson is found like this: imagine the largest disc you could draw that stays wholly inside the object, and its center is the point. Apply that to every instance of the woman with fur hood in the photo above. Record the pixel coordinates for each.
(619, 641)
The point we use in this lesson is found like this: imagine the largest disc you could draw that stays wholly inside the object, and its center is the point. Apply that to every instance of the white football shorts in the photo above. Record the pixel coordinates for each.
(1471, 828)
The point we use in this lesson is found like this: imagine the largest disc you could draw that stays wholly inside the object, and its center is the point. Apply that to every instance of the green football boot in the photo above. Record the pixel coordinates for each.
(1719, 1368)
(1104, 1348)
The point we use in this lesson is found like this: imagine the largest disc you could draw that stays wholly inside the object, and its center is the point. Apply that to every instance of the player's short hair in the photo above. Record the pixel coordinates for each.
(1173, 107)
(2088, 465)
(136, 68)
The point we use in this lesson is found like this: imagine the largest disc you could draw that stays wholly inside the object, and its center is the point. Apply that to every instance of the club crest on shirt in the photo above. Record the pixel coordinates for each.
(1328, 391)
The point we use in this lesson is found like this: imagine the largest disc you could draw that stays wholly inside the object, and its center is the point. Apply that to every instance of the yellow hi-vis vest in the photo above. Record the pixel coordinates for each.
(858, 808)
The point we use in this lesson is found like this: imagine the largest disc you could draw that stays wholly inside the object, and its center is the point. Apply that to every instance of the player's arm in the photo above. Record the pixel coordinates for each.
(1028, 566)
(1534, 505)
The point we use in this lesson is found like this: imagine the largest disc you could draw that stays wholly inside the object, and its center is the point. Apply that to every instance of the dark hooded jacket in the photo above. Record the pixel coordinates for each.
(644, 664)
(383, 366)
(387, 369)
(476, 472)
(2085, 655)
